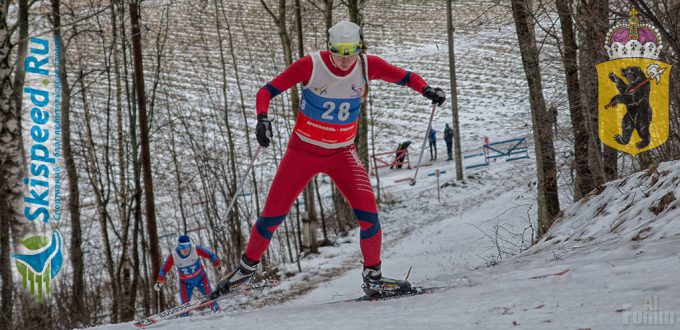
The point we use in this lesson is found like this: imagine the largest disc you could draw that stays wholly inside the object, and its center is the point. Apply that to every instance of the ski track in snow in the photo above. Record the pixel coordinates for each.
(609, 282)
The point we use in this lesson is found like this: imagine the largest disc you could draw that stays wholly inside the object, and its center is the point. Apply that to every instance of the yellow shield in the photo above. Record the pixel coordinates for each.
(633, 104)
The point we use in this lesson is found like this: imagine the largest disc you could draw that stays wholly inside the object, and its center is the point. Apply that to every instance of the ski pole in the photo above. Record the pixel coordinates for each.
(221, 227)
(412, 182)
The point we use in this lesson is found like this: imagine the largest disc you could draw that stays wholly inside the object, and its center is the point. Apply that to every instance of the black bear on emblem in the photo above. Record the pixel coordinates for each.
(635, 96)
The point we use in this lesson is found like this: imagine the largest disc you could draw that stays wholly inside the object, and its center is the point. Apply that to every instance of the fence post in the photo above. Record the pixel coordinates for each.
(437, 173)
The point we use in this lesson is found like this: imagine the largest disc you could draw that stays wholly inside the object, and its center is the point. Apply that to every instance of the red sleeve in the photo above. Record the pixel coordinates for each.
(207, 254)
(298, 72)
(380, 69)
(169, 261)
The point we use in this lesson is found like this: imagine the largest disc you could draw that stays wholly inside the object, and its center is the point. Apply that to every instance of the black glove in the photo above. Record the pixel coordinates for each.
(436, 95)
(263, 130)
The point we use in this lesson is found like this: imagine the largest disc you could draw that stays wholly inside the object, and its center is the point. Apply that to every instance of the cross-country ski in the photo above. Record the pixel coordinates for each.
(199, 303)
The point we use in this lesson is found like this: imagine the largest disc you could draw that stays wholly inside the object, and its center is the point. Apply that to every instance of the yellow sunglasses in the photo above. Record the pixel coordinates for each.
(345, 49)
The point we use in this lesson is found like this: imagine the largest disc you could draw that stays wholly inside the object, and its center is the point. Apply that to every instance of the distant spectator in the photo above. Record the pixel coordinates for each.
(433, 144)
(448, 137)
(401, 155)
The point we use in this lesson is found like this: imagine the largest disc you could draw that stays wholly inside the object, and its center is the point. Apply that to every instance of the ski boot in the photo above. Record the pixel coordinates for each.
(242, 275)
(377, 285)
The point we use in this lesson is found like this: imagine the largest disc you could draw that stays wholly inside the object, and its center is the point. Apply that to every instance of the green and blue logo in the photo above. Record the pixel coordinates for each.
(41, 264)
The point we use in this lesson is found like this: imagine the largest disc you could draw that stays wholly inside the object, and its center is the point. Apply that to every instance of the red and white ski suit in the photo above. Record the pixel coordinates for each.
(323, 142)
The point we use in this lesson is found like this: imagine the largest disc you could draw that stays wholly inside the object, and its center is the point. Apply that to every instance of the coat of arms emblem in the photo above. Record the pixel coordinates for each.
(633, 89)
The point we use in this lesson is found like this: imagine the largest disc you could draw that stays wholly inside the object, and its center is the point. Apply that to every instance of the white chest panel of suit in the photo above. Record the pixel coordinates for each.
(330, 106)
(189, 265)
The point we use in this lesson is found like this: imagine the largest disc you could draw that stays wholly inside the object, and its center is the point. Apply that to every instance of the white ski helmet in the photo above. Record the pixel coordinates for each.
(344, 38)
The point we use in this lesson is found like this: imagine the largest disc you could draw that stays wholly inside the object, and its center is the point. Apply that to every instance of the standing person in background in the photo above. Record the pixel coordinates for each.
(448, 138)
(187, 259)
(335, 83)
(433, 144)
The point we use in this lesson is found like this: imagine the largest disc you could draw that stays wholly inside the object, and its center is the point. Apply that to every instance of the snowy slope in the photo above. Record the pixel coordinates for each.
(617, 278)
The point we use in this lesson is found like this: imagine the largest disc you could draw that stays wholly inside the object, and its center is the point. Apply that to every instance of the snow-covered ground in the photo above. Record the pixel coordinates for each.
(622, 259)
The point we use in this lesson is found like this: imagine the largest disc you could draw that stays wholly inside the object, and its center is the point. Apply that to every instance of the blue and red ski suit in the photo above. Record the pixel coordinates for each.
(190, 272)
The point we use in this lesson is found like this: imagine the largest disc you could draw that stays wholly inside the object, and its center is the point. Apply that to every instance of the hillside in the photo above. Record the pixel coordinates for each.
(618, 247)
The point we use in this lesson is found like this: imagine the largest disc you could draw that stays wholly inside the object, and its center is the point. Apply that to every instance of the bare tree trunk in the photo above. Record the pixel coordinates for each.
(598, 12)
(584, 178)
(130, 281)
(327, 11)
(343, 211)
(354, 10)
(178, 178)
(673, 145)
(161, 41)
(311, 218)
(288, 243)
(308, 193)
(609, 162)
(234, 217)
(139, 263)
(298, 29)
(81, 317)
(20, 74)
(548, 201)
(297, 227)
(378, 191)
(136, 268)
(11, 170)
(280, 20)
(454, 93)
(593, 33)
(154, 247)
(323, 216)
(609, 155)
(94, 173)
(146, 277)
(253, 178)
